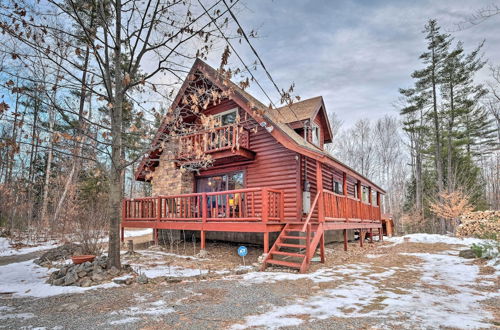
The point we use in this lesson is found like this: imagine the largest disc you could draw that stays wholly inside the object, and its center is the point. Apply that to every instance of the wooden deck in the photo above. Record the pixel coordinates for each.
(257, 210)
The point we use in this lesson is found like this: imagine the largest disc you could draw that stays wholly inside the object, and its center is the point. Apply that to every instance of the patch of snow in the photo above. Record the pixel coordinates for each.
(6, 248)
(26, 279)
(160, 254)
(137, 233)
(125, 321)
(434, 238)
(429, 305)
(154, 309)
(165, 270)
(373, 256)
(23, 316)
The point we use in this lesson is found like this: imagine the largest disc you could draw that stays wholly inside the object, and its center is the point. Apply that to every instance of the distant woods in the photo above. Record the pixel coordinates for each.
(444, 143)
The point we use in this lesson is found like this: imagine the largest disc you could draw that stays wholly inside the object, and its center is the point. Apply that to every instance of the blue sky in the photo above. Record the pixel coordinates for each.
(356, 54)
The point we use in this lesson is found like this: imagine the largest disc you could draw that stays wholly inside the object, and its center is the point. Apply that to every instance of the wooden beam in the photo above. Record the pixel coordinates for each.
(266, 242)
(345, 239)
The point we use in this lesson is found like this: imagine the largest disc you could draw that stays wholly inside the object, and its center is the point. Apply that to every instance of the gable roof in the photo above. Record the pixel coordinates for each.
(270, 118)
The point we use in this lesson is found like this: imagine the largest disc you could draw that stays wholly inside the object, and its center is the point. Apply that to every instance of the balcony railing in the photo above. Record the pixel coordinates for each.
(229, 137)
(345, 208)
(251, 204)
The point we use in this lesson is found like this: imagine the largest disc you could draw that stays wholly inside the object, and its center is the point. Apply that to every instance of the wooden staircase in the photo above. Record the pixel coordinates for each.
(296, 246)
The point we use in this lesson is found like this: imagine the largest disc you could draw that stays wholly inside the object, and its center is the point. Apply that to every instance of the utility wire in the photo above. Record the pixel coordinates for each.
(257, 55)
(237, 55)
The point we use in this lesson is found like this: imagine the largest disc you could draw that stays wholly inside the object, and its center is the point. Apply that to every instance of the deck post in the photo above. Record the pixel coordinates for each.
(319, 187)
(361, 238)
(158, 218)
(345, 239)
(122, 233)
(322, 247)
(266, 242)
(371, 202)
(344, 192)
(265, 205)
(380, 233)
(358, 189)
(371, 235)
(204, 211)
(308, 242)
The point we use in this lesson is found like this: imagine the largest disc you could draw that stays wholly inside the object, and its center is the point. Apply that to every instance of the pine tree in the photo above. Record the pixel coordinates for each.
(427, 83)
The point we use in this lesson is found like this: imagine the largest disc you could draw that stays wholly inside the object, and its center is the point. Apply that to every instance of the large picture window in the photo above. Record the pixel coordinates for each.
(221, 182)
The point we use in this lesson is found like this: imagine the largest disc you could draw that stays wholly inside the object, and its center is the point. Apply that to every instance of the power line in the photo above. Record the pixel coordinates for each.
(237, 55)
(257, 55)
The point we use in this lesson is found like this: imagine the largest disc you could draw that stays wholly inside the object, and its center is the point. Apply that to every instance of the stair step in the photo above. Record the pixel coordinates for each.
(300, 246)
(290, 254)
(293, 237)
(283, 263)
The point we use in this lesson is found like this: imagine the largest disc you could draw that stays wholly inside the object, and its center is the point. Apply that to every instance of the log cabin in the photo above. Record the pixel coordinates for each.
(270, 180)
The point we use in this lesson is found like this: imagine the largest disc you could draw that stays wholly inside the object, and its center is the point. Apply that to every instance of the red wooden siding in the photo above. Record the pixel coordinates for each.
(274, 166)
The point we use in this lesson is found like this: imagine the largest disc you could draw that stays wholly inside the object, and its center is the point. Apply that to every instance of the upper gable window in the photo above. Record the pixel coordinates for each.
(315, 131)
(226, 117)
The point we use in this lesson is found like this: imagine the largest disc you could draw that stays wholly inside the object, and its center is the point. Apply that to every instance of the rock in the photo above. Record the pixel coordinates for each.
(113, 271)
(120, 280)
(173, 279)
(86, 282)
(468, 254)
(142, 279)
(202, 254)
(96, 277)
(58, 281)
(70, 278)
(63, 270)
(82, 273)
(129, 281)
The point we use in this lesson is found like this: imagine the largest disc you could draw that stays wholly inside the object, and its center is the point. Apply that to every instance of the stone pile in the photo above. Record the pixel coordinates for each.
(88, 273)
(60, 253)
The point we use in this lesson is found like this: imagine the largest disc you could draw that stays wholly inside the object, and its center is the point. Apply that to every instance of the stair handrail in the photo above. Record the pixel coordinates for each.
(313, 206)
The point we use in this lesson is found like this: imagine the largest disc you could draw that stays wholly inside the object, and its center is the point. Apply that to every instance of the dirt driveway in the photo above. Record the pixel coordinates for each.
(408, 285)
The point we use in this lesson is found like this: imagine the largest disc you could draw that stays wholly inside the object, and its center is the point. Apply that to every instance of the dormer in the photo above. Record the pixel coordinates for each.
(309, 119)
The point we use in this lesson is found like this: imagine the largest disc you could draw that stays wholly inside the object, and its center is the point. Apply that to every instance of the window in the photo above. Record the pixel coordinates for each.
(315, 131)
(226, 117)
(222, 182)
(337, 187)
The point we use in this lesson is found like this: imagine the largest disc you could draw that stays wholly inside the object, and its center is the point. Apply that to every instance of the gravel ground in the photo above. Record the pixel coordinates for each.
(229, 301)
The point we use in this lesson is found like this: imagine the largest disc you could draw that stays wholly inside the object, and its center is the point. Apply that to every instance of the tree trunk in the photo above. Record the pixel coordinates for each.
(437, 134)
(48, 171)
(115, 184)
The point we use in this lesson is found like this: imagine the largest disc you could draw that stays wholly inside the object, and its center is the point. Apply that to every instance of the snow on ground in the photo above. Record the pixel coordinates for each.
(444, 295)
(137, 233)
(6, 248)
(433, 238)
(134, 314)
(26, 279)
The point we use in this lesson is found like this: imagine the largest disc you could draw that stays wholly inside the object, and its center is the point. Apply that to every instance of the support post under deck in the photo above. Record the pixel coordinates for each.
(266, 242)
(345, 239)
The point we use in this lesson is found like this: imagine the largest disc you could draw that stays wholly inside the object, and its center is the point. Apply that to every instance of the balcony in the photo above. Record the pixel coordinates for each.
(220, 142)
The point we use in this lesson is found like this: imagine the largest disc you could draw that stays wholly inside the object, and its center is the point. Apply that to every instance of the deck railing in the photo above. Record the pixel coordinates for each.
(346, 208)
(209, 141)
(251, 204)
